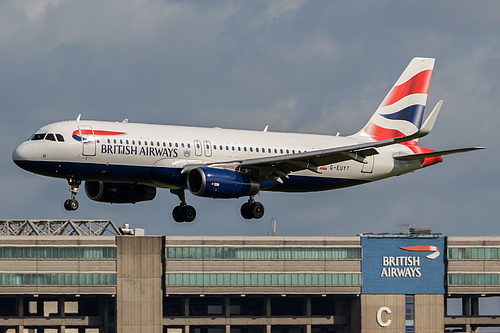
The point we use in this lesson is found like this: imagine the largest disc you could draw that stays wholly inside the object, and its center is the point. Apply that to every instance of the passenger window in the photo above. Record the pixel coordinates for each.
(287, 151)
(281, 151)
(220, 147)
(215, 147)
(158, 143)
(139, 142)
(239, 148)
(257, 149)
(164, 144)
(293, 151)
(109, 141)
(60, 138)
(251, 150)
(275, 150)
(50, 137)
(269, 150)
(189, 145)
(263, 150)
(227, 148)
(121, 141)
(245, 148)
(152, 143)
(133, 142)
(176, 145)
(182, 145)
(126, 142)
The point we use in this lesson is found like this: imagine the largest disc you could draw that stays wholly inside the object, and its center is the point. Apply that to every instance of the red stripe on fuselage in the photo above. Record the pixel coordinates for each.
(419, 84)
(96, 132)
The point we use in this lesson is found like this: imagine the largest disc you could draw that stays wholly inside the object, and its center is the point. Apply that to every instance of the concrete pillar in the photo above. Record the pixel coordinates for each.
(474, 306)
(268, 328)
(308, 328)
(186, 329)
(308, 307)
(228, 328)
(185, 303)
(139, 296)
(227, 307)
(60, 306)
(465, 306)
(268, 307)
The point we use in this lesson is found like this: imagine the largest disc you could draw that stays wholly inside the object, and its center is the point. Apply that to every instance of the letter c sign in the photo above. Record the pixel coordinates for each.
(379, 316)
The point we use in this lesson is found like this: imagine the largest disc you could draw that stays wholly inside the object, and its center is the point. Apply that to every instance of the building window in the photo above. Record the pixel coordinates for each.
(263, 279)
(261, 253)
(409, 313)
(72, 279)
(57, 252)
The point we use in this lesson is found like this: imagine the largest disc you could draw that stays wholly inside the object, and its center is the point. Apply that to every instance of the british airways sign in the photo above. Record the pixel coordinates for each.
(402, 264)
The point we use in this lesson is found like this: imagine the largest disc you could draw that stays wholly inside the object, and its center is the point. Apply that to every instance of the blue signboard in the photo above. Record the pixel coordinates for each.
(403, 265)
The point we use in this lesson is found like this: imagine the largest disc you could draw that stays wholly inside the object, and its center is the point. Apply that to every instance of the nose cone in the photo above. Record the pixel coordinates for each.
(22, 153)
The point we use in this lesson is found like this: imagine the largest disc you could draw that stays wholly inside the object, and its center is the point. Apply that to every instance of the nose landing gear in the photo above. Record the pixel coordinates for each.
(72, 204)
(252, 209)
(183, 212)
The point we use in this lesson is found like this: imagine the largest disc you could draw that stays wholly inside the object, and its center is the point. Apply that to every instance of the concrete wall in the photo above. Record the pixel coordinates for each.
(429, 313)
(371, 304)
(139, 291)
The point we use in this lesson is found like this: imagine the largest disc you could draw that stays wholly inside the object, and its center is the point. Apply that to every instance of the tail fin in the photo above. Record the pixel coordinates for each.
(401, 112)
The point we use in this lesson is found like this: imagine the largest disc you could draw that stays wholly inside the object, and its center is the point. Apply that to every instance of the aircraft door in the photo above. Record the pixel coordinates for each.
(88, 140)
(197, 147)
(208, 148)
(368, 166)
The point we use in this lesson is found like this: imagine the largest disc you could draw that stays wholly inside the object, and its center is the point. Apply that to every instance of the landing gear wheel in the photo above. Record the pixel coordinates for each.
(188, 213)
(71, 204)
(252, 210)
(183, 212)
(257, 210)
(176, 214)
(245, 211)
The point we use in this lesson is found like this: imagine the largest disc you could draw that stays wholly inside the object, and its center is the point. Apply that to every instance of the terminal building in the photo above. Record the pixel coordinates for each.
(90, 276)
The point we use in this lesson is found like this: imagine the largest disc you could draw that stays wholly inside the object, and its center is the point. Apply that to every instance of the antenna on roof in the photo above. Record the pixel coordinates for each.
(265, 129)
(79, 116)
(125, 120)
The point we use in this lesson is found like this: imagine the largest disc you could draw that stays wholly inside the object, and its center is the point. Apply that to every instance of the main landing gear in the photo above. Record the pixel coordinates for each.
(252, 209)
(183, 212)
(72, 204)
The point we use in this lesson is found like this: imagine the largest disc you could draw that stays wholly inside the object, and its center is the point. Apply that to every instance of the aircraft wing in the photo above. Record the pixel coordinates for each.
(436, 153)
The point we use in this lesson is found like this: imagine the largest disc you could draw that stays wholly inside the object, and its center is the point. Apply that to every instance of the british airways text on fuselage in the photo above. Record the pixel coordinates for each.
(139, 151)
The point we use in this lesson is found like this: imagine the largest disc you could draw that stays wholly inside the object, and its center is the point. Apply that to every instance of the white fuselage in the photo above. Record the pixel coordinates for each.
(155, 154)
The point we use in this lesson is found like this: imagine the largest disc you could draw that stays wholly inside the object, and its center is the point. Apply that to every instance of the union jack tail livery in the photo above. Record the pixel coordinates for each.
(400, 114)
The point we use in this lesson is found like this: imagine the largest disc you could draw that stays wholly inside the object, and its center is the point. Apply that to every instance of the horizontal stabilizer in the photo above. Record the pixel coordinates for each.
(436, 153)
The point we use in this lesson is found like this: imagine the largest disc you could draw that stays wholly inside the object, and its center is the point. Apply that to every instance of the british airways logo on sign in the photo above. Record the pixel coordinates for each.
(402, 265)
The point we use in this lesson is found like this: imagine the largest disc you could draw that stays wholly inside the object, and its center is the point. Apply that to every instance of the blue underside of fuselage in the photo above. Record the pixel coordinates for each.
(168, 177)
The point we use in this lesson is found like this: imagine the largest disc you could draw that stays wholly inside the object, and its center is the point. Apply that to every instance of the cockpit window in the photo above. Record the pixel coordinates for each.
(38, 136)
(60, 138)
(50, 137)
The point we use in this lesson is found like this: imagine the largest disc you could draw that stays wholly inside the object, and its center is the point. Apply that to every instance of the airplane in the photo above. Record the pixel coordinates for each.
(124, 162)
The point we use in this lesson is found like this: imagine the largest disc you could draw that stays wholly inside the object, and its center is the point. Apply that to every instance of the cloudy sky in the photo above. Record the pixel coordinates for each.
(295, 65)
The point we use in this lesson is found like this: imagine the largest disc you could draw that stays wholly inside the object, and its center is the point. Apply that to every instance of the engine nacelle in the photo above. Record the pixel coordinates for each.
(119, 192)
(220, 183)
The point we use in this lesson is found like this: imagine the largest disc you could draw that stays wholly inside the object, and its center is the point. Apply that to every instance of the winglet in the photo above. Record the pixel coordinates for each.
(431, 120)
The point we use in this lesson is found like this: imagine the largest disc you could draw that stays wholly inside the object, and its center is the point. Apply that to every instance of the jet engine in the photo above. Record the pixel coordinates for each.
(220, 183)
(119, 192)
